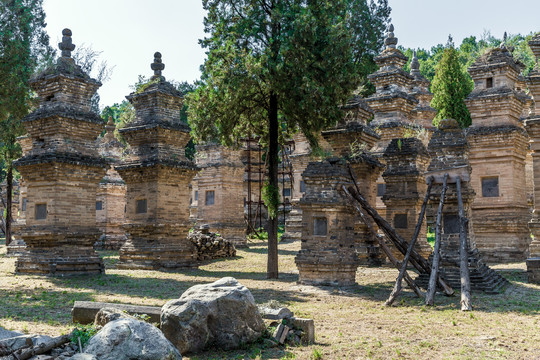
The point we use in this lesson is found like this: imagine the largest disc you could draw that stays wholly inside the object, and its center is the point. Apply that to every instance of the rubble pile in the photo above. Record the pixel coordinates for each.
(211, 245)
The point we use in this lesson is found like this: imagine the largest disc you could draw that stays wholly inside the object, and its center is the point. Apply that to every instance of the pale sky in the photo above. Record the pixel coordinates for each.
(128, 32)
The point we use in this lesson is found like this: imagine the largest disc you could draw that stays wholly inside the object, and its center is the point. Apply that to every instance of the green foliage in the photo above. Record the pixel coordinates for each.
(270, 196)
(304, 53)
(122, 114)
(84, 332)
(316, 354)
(24, 44)
(469, 50)
(450, 87)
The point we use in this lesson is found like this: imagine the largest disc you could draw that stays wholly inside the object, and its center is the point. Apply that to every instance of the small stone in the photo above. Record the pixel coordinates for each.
(275, 314)
(278, 332)
(284, 334)
(308, 328)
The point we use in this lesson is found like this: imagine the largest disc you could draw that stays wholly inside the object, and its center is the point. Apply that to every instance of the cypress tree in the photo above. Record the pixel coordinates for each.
(450, 87)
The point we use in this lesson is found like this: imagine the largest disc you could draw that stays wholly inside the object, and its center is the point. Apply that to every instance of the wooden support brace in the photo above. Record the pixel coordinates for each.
(430, 295)
(466, 304)
(382, 243)
(397, 287)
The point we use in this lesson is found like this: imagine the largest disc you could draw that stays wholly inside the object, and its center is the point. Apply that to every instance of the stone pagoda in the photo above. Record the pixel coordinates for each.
(329, 233)
(449, 153)
(406, 161)
(111, 195)
(422, 114)
(352, 139)
(498, 149)
(62, 170)
(157, 176)
(533, 128)
(334, 242)
(220, 189)
(392, 102)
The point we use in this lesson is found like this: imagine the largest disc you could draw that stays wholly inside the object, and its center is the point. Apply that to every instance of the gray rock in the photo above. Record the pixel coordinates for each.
(108, 314)
(275, 314)
(221, 314)
(308, 329)
(6, 334)
(18, 342)
(129, 339)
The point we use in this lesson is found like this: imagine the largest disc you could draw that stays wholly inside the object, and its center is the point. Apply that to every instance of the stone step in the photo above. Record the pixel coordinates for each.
(84, 312)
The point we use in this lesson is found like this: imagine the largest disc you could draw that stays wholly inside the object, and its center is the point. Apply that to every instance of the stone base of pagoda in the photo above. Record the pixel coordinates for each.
(112, 238)
(313, 270)
(503, 236)
(59, 251)
(533, 270)
(16, 247)
(157, 247)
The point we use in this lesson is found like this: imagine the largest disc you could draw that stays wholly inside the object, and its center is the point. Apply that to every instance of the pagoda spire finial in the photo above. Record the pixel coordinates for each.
(390, 41)
(157, 65)
(66, 45)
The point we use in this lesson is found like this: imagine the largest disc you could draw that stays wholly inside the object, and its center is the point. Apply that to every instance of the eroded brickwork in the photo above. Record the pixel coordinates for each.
(157, 176)
(62, 169)
(220, 186)
(533, 128)
(498, 143)
(449, 152)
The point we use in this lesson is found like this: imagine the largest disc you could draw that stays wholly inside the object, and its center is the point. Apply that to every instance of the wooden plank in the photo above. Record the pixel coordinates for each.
(416, 259)
(84, 312)
(466, 304)
(461, 172)
(382, 243)
(402, 271)
(430, 295)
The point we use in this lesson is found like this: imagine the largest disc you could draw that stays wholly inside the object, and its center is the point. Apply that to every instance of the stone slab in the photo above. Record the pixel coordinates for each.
(307, 326)
(84, 312)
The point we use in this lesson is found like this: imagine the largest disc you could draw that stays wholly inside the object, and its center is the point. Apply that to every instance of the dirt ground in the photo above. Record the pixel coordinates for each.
(350, 323)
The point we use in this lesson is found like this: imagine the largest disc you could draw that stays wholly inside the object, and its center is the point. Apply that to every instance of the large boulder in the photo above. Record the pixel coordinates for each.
(130, 339)
(221, 314)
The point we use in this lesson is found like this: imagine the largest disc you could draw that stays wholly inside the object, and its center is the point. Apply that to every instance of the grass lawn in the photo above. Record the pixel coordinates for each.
(350, 323)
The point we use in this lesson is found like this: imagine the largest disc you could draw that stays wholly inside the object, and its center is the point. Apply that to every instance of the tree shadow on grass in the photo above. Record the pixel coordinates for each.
(40, 305)
(162, 289)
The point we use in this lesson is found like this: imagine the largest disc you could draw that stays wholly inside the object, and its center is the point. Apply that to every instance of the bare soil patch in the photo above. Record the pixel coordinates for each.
(351, 323)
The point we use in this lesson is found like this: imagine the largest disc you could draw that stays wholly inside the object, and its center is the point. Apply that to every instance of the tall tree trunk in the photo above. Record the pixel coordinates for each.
(9, 201)
(272, 266)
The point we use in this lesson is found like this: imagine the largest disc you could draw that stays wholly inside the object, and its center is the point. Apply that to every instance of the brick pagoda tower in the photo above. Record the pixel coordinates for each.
(62, 170)
(157, 175)
(449, 152)
(220, 187)
(498, 148)
(422, 114)
(533, 128)
(392, 102)
(406, 161)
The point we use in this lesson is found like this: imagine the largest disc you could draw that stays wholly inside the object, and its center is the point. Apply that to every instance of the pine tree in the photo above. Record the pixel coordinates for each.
(450, 87)
(24, 44)
(281, 64)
